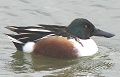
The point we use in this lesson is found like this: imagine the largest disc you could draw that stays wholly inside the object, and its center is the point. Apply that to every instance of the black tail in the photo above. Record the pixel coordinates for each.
(18, 44)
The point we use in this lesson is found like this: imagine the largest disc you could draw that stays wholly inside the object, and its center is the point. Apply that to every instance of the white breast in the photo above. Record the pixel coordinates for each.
(89, 47)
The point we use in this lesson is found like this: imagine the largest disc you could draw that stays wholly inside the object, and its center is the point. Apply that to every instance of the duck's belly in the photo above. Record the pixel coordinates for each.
(53, 46)
(61, 47)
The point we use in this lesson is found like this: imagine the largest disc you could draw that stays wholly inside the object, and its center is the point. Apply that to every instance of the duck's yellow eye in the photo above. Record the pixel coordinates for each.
(86, 26)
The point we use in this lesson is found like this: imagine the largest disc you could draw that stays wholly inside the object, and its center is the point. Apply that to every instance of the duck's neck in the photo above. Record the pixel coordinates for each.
(78, 32)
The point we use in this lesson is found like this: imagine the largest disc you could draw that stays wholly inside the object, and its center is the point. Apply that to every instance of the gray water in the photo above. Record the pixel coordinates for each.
(104, 14)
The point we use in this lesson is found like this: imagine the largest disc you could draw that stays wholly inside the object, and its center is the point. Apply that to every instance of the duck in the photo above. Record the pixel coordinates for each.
(58, 41)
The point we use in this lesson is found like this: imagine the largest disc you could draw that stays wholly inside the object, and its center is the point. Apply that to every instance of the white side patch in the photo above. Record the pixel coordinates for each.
(88, 49)
(13, 39)
(40, 30)
(28, 47)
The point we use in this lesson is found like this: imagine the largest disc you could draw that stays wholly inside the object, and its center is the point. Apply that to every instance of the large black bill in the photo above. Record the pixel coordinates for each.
(98, 32)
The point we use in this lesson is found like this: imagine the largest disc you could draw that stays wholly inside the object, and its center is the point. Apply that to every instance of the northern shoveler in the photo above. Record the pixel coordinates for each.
(58, 41)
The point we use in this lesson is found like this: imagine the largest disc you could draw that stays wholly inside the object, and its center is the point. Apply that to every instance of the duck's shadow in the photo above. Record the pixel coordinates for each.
(24, 63)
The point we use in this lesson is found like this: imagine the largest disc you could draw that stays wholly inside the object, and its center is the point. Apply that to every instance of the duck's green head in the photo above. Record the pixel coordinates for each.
(83, 29)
